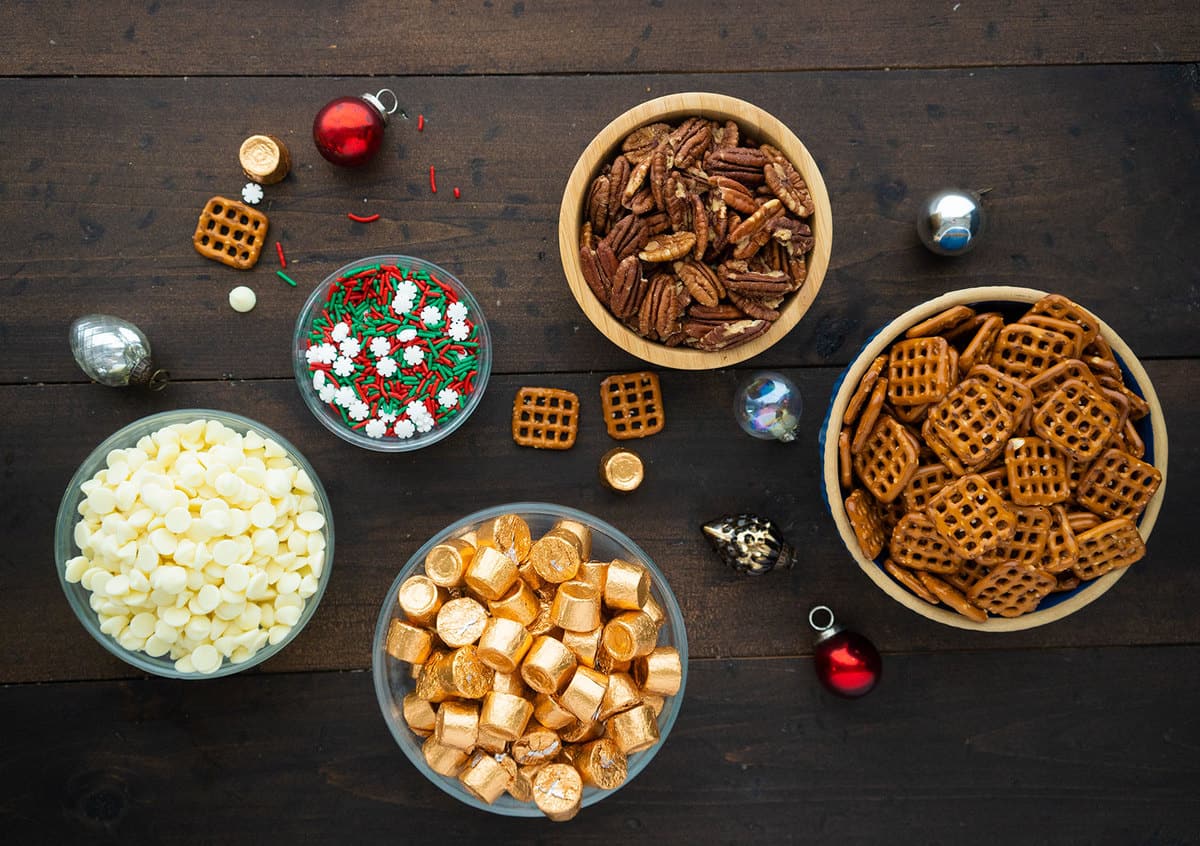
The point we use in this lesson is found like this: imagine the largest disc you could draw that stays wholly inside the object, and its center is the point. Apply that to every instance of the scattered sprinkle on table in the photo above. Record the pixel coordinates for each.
(432, 180)
(457, 193)
(279, 252)
(420, 123)
(393, 351)
(285, 278)
(359, 218)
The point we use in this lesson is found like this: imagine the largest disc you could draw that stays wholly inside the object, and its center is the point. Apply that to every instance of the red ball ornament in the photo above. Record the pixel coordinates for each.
(348, 131)
(846, 663)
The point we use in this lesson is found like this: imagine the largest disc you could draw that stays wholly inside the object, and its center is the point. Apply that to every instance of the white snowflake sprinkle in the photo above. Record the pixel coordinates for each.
(388, 417)
(343, 366)
(424, 424)
(448, 397)
(416, 409)
(413, 355)
(376, 429)
(340, 332)
(406, 335)
(459, 331)
(321, 354)
(401, 306)
(380, 346)
(386, 367)
(252, 193)
(328, 392)
(457, 312)
(359, 410)
(346, 396)
(318, 378)
(350, 347)
(405, 429)
(431, 316)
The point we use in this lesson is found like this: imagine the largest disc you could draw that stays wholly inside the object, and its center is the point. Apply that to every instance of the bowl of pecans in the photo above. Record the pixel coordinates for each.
(995, 458)
(695, 231)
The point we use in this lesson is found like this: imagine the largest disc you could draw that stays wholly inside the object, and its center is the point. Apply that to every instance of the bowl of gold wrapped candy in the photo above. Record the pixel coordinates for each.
(530, 660)
(695, 230)
(995, 458)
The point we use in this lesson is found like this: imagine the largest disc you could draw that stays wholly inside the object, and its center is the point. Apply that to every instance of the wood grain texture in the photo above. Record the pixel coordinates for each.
(1013, 747)
(1095, 194)
(516, 37)
(699, 467)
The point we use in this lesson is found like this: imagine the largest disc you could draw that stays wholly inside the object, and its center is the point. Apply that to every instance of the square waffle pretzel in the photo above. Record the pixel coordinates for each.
(1037, 472)
(1028, 542)
(1108, 547)
(1061, 308)
(863, 513)
(928, 480)
(1011, 589)
(1023, 351)
(1118, 485)
(979, 349)
(1050, 380)
(1016, 397)
(972, 423)
(933, 441)
(1063, 327)
(545, 418)
(1078, 419)
(1061, 548)
(887, 460)
(916, 544)
(231, 233)
(968, 573)
(918, 371)
(632, 405)
(971, 516)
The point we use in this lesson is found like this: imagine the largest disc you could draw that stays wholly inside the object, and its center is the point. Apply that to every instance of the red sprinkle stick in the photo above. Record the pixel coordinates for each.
(279, 250)
(457, 193)
(420, 123)
(357, 218)
(432, 180)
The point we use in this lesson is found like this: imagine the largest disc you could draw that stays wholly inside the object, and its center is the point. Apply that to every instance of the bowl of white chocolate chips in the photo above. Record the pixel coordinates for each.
(194, 543)
(530, 660)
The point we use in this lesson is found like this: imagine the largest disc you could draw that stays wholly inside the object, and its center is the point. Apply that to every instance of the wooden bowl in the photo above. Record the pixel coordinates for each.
(760, 125)
(1010, 301)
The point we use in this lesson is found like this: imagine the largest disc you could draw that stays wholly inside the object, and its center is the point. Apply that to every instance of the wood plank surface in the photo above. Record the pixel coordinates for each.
(1017, 747)
(699, 467)
(1094, 194)
(375, 37)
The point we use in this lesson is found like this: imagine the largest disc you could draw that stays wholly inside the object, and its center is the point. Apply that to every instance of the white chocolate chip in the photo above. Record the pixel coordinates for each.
(242, 299)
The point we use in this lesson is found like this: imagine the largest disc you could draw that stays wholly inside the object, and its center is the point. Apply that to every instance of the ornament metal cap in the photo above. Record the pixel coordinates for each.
(750, 544)
(824, 630)
(376, 100)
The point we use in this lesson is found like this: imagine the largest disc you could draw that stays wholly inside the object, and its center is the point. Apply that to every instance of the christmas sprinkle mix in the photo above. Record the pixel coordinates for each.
(393, 351)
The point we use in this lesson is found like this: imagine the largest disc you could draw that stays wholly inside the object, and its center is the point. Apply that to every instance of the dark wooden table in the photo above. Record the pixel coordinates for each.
(120, 120)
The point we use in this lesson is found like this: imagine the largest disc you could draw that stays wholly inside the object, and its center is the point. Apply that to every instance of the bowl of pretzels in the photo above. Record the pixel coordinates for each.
(695, 231)
(995, 458)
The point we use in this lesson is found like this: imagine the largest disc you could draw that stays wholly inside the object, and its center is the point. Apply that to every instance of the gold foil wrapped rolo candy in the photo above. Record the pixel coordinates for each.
(521, 787)
(408, 643)
(508, 534)
(550, 712)
(621, 695)
(431, 683)
(461, 673)
(490, 742)
(654, 702)
(420, 599)
(659, 672)
(558, 791)
(594, 573)
(629, 635)
(503, 644)
(511, 683)
(581, 533)
(584, 693)
(543, 622)
(585, 645)
(505, 715)
(621, 470)
(580, 731)
(264, 159)
(520, 604)
(633, 730)
(576, 607)
(537, 746)
(446, 563)
(548, 665)
(442, 759)
(458, 725)
(556, 557)
(491, 573)
(626, 585)
(461, 621)
(654, 611)
(485, 777)
(601, 763)
(419, 715)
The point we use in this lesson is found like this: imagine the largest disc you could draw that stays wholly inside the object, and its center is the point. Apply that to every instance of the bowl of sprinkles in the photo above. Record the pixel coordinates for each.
(392, 353)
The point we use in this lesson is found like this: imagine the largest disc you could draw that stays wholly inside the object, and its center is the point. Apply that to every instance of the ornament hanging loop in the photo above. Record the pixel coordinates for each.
(821, 612)
(377, 100)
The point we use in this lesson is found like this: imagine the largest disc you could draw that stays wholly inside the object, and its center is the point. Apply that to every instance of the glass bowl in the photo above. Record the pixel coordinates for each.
(393, 679)
(366, 401)
(68, 515)
(1011, 302)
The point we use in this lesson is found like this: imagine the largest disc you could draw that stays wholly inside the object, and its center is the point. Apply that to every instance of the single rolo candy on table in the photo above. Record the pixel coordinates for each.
(264, 159)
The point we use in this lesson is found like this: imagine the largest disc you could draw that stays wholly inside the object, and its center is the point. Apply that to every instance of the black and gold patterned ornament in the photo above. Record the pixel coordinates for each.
(750, 544)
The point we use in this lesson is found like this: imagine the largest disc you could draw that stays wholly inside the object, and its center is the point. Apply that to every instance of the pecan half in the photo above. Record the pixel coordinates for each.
(587, 238)
(738, 157)
(640, 143)
(648, 313)
(735, 195)
(690, 141)
(668, 247)
(595, 277)
(726, 335)
(788, 185)
(756, 221)
(636, 178)
(597, 203)
(627, 288)
(660, 171)
(725, 311)
(618, 176)
(725, 135)
(748, 247)
(700, 281)
(656, 224)
(752, 307)
(679, 210)
(795, 235)
(643, 201)
(758, 285)
(699, 226)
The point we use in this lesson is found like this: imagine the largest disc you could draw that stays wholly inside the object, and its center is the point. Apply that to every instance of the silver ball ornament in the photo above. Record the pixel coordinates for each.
(950, 221)
(768, 405)
(114, 352)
